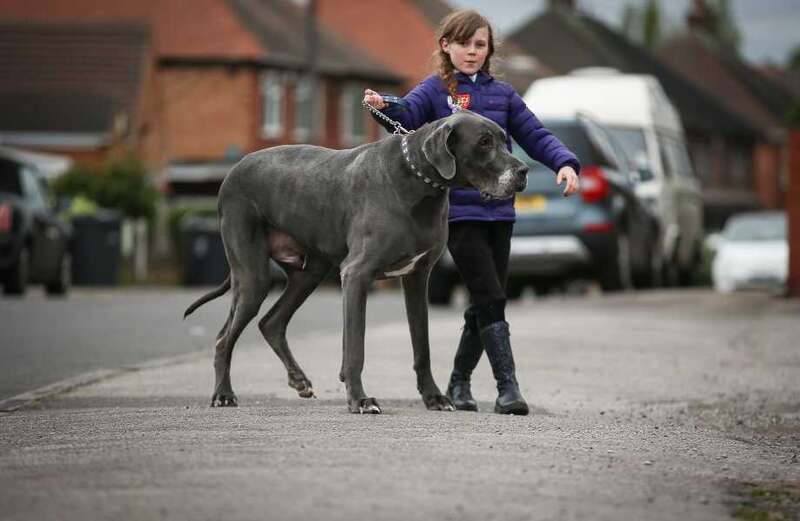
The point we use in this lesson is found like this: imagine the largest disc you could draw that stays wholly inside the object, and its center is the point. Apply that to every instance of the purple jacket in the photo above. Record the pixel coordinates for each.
(499, 102)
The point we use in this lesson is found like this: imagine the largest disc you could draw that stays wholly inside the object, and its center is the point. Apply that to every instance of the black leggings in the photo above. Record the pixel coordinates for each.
(480, 251)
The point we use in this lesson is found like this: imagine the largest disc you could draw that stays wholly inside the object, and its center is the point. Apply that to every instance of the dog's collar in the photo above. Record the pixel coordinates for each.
(414, 169)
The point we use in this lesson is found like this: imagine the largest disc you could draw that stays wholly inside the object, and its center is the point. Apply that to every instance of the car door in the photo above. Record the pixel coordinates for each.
(688, 200)
(621, 175)
(46, 240)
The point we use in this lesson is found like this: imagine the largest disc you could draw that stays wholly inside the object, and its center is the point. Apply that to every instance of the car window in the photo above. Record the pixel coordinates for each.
(9, 177)
(574, 137)
(601, 141)
(631, 139)
(667, 160)
(677, 156)
(32, 189)
(756, 228)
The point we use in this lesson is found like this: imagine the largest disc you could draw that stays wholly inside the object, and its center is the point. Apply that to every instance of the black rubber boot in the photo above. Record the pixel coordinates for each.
(497, 342)
(467, 356)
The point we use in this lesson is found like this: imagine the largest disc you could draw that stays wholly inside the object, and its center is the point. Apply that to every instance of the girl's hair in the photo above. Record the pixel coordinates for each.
(459, 27)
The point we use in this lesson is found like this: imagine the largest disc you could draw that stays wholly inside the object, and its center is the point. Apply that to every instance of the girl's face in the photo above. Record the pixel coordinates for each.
(468, 57)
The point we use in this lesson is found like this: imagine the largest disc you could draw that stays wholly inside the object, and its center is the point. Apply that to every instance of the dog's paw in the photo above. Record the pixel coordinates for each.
(224, 400)
(303, 386)
(438, 402)
(364, 406)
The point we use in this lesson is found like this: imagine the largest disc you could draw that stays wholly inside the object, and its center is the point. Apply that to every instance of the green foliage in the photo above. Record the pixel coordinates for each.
(793, 117)
(793, 63)
(725, 30)
(121, 182)
(179, 214)
(642, 24)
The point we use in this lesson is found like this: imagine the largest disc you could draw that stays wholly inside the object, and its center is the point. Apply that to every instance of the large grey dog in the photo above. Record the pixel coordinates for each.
(376, 211)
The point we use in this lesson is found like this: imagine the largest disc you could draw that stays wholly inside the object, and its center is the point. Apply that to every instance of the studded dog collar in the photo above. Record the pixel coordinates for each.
(414, 169)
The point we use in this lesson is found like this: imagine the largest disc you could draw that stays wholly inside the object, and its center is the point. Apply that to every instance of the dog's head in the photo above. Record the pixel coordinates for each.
(471, 150)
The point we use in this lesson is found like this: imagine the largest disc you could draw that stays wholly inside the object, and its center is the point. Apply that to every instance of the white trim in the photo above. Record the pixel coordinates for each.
(272, 87)
(85, 140)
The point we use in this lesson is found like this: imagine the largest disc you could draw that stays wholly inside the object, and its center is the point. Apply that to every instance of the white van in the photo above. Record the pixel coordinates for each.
(635, 110)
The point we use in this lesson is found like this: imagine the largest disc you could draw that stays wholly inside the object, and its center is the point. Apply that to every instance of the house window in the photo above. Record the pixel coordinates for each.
(354, 123)
(272, 92)
(303, 105)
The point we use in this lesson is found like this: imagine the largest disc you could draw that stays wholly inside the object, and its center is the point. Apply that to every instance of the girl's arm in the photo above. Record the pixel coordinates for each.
(536, 140)
(415, 111)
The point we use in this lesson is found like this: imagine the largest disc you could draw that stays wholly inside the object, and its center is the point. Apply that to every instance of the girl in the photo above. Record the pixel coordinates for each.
(480, 231)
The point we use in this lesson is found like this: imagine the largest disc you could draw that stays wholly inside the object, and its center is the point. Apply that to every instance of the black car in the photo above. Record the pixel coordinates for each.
(605, 232)
(34, 243)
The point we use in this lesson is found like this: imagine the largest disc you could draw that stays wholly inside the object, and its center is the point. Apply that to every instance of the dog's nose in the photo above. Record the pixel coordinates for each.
(522, 178)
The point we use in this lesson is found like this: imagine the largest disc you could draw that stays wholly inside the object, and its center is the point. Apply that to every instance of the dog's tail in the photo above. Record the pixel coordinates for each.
(217, 292)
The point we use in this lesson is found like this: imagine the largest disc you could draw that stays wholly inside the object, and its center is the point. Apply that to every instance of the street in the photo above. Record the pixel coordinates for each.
(45, 339)
(652, 405)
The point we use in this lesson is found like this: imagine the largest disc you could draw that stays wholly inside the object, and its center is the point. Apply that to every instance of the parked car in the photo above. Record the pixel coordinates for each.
(606, 232)
(752, 253)
(34, 243)
(637, 112)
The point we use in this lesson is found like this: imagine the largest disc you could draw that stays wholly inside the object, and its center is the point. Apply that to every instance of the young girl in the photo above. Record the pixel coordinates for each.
(480, 231)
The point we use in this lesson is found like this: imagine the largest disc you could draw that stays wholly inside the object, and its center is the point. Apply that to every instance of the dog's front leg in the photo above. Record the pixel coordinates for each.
(355, 283)
(415, 289)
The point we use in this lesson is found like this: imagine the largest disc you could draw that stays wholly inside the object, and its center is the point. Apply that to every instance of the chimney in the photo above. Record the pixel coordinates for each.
(700, 18)
(568, 5)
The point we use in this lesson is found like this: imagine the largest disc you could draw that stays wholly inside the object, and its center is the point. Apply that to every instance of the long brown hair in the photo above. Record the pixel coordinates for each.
(459, 27)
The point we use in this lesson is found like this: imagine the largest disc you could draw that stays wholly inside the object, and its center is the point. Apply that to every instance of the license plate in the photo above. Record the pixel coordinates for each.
(531, 203)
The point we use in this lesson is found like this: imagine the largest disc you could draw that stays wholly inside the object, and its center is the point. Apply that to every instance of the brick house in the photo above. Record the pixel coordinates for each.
(225, 77)
(744, 90)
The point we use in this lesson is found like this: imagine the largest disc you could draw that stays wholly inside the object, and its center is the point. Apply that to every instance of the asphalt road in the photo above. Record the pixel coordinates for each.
(647, 406)
(43, 340)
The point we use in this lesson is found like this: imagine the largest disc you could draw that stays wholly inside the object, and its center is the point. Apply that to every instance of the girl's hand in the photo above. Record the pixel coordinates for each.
(374, 99)
(573, 185)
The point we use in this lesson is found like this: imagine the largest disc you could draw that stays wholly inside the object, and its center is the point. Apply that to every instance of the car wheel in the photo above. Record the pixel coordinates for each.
(651, 276)
(17, 277)
(687, 275)
(440, 288)
(615, 274)
(62, 283)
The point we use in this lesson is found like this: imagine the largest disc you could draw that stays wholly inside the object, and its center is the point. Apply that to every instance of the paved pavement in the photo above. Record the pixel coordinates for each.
(661, 405)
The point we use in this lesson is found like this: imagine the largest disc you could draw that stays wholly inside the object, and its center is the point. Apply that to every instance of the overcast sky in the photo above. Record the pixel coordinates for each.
(770, 28)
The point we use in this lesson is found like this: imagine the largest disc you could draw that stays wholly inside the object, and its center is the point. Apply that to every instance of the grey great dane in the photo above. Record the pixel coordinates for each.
(375, 211)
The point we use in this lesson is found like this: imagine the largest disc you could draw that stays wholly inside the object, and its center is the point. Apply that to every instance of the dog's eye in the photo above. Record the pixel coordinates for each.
(486, 142)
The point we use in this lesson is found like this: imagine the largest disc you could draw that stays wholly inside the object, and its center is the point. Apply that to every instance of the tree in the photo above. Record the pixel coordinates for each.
(793, 63)
(642, 24)
(725, 30)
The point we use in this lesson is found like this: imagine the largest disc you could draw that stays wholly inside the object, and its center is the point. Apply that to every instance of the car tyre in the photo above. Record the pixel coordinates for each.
(62, 283)
(615, 274)
(17, 277)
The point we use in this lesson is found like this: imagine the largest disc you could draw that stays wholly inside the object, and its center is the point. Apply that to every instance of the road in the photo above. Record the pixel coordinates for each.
(647, 406)
(44, 340)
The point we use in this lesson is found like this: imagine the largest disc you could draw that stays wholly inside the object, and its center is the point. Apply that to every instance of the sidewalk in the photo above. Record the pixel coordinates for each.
(650, 406)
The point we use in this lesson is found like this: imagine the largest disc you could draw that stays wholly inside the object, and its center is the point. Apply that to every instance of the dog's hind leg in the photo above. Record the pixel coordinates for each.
(247, 256)
(300, 284)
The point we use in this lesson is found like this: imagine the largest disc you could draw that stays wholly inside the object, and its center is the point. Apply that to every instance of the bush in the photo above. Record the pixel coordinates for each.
(121, 182)
(178, 214)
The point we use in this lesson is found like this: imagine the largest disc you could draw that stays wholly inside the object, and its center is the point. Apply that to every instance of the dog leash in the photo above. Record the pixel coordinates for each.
(398, 128)
(400, 131)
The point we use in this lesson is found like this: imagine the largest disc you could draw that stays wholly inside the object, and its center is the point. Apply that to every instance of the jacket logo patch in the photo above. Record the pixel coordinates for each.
(462, 101)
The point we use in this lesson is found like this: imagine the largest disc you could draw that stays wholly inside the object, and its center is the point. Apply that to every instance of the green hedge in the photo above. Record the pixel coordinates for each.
(121, 182)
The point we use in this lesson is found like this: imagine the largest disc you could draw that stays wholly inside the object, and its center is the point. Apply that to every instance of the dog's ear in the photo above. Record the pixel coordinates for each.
(435, 148)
